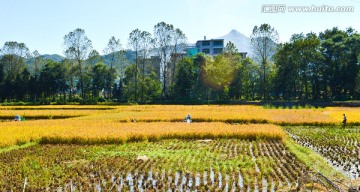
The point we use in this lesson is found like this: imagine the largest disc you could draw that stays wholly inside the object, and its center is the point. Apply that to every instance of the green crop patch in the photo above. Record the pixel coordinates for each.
(224, 164)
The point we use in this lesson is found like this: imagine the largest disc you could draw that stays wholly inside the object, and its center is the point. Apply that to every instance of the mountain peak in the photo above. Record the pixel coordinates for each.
(242, 43)
(236, 34)
(233, 31)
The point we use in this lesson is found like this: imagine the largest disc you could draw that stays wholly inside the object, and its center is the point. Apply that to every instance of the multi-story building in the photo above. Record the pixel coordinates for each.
(212, 47)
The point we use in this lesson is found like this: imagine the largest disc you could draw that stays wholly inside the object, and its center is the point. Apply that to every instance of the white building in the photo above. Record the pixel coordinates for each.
(212, 47)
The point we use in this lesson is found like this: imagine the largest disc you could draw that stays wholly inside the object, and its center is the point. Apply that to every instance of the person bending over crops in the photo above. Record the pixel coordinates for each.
(17, 118)
(344, 120)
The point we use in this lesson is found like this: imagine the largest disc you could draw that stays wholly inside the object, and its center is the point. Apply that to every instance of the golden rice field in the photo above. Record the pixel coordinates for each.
(103, 131)
(51, 112)
(234, 113)
(200, 113)
(118, 124)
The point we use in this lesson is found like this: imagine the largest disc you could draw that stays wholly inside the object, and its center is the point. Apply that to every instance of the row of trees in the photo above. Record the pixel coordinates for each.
(83, 73)
(62, 82)
(319, 66)
(308, 67)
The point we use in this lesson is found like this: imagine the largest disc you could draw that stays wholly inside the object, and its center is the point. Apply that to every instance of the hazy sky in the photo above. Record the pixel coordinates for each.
(42, 24)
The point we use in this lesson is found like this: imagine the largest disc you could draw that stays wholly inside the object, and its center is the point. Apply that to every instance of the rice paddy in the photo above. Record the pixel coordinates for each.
(150, 148)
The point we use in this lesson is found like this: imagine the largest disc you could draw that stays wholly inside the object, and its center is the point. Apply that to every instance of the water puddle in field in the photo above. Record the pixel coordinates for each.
(220, 180)
(233, 186)
(227, 178)
(264, 185)
(190, 183)
(241, 181)
(248, 189)
(351, 172)
(256, 186)
(254, 158)
(205, 178)
(212, 177)
(162, 175)
(98, 187)
(129, 179)
(183, 180)
(177, 177)
(197, 180)
(348, 168)
(280, 184)
(273, 186)
(150, 176)
(140, 181)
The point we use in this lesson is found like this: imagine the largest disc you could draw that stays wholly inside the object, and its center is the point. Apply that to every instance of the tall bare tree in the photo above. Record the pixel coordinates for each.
(179, 44)
(113, 50)
(15, 48)
(38, 63)
(15, 58)
(163, 39)
(264, 40)
(145, 44)
(14, 74)
(77, 47)
(134, 43)
(94, 57)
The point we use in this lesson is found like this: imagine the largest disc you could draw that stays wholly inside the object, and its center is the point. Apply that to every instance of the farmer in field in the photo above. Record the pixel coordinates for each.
(17, 118)
(188, 118)
(344, 120)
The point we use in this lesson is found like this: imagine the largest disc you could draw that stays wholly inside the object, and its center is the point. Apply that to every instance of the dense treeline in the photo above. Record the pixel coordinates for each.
(316, 67)
(308, 67)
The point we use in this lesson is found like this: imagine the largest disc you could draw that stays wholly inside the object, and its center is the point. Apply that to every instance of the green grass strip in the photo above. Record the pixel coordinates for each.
(13, 147)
